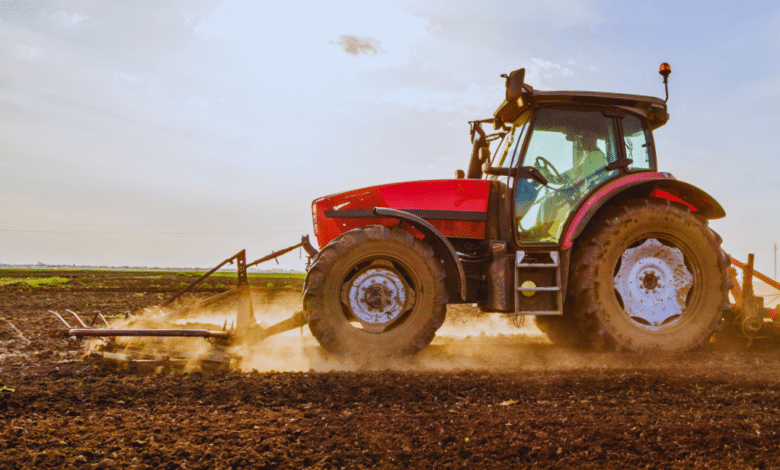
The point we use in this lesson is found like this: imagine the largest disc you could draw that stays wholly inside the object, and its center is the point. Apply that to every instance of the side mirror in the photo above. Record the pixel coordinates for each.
(514, 85)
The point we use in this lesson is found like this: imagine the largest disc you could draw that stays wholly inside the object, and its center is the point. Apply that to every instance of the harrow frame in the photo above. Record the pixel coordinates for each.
(245, 325)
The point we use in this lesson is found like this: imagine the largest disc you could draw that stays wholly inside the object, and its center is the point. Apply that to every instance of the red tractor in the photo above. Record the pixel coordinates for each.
(568, 220)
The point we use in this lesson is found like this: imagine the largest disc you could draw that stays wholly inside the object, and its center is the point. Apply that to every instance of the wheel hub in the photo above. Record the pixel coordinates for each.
(376, 298)
(653, 282)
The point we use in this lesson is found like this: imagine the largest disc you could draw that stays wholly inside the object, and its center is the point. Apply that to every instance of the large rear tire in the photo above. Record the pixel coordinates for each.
(649, 276)
(375, 292)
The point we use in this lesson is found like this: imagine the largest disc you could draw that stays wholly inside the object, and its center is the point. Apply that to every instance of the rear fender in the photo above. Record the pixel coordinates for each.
(655, 185)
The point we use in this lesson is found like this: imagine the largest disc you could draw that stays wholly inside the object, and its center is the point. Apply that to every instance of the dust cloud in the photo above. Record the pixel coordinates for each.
(468, 340)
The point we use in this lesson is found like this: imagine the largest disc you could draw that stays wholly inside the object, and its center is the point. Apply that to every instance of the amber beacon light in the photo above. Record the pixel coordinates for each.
(665, 70)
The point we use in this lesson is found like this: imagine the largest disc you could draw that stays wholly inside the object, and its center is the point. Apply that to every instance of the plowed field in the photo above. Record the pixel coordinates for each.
(501, 397)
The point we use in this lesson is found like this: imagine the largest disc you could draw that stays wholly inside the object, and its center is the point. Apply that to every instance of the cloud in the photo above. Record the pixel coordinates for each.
(197, 102)
(470, 99)
(356, 46)
(546, 65)
(27, 53)
(69, 20)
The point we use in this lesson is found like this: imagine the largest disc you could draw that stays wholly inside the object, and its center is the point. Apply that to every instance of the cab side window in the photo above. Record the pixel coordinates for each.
(637, 143)
(571, 148)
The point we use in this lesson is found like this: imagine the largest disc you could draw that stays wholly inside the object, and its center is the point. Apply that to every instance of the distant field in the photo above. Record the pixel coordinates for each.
(50, 272)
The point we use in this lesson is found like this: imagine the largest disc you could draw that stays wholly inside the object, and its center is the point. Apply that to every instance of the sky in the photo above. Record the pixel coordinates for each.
(174, 133)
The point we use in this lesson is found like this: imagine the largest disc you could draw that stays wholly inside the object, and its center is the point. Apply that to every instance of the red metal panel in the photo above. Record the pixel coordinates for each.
(456, 195)
(464, 195)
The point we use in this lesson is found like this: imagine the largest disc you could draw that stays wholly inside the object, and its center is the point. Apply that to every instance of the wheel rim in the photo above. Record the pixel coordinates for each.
(653, 283)
(377, 295)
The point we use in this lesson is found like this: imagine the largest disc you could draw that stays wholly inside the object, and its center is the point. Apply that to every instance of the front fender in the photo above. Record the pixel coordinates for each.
(456, 277)
(651, 184)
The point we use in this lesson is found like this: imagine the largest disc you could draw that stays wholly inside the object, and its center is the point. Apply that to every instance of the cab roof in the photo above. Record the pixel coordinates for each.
(654, 109)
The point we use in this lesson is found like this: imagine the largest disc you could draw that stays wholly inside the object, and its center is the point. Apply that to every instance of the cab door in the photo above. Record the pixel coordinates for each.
(571, 147)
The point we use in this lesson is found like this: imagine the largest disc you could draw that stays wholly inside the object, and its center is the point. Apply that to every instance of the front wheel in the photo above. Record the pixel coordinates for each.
(649, 276)
(375, 292)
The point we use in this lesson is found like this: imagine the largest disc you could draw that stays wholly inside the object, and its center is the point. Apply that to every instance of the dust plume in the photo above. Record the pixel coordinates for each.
(468, 340)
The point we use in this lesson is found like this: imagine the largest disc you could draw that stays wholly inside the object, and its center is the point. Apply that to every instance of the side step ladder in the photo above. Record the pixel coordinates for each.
(538, 284)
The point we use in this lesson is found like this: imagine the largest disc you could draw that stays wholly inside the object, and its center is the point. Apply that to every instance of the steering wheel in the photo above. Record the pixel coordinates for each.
(567, 191)
(544, 166)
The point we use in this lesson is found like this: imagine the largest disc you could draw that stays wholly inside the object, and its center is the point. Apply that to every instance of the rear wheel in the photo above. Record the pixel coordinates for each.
(375, 292)
(649, 276)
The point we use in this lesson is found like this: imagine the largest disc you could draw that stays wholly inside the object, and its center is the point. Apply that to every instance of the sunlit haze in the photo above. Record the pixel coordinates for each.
(175, 133)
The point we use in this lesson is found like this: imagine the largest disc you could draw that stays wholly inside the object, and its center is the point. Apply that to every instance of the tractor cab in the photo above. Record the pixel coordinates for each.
(555, 148)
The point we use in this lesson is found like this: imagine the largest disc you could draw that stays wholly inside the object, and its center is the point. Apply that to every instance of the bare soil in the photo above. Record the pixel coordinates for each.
(507, 400)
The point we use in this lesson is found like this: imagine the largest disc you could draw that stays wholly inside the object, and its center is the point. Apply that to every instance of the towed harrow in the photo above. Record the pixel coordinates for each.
(244, 328)
(748, 318)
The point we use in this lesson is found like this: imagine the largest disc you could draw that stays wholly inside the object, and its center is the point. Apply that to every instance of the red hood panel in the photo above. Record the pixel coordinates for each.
(458, 208)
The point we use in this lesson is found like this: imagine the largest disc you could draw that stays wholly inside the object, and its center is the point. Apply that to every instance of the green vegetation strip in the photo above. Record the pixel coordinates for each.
(32, 281)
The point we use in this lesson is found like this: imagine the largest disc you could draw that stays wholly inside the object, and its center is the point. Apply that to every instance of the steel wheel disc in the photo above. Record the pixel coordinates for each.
(653, 283)
(377, 296)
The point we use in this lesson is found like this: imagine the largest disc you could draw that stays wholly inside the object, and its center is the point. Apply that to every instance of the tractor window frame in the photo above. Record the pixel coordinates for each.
(649, 136)
(514, 143)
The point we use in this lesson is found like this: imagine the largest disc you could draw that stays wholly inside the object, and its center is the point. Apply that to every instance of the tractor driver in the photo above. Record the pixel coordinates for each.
(587, 158)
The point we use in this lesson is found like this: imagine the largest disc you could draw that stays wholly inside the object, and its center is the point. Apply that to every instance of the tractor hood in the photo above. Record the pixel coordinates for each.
(457, 208)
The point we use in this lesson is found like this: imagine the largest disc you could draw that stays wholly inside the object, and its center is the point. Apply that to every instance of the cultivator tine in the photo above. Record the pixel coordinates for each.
(62, 320)
(94, 319)
(78, 319)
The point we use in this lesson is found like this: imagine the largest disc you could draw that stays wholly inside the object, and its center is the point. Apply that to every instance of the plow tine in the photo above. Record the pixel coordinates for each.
(78, 319)
(94, 319)
(60, 319)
